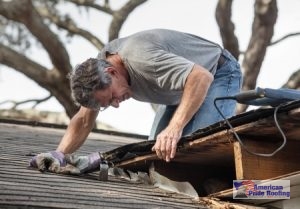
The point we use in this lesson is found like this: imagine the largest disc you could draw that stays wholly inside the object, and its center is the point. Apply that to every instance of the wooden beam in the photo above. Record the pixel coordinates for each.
(238, 160)
(253, 167)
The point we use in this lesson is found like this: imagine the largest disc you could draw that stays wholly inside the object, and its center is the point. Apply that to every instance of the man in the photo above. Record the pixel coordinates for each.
(181, 72)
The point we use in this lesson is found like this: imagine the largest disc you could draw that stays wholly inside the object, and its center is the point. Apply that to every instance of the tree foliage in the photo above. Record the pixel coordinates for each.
(42, 22)
(28, 21)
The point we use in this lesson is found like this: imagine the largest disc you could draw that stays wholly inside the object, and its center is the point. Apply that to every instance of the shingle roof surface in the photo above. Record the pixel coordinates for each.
(21, 187)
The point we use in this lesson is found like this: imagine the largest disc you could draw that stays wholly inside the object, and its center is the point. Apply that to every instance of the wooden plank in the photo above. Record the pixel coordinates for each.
(238, 159)
(215, 149)
(253, 167)
(294, 179)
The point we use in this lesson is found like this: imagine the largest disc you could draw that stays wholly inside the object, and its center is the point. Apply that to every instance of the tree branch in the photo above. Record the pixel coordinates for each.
(24, 65)
(87, 3)
(226, 26)
(120, 16)
(70, 26)
(284, 37)
(293, 81)
(262, 31)
(36, 101)
(24, 12)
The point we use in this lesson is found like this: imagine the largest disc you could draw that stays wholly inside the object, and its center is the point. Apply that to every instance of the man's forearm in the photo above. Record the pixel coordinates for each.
(78, 130)
(195, 91)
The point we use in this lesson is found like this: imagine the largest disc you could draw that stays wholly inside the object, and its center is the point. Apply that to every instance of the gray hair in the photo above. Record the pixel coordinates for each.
(88, 77)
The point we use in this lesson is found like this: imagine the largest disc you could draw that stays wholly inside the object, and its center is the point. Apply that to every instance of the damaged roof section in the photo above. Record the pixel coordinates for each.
(212, 157)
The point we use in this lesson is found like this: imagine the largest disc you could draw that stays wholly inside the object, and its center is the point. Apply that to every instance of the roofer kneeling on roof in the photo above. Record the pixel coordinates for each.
(181, 72)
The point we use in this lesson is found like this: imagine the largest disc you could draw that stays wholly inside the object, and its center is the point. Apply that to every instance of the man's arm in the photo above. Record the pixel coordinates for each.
(194, 93)
(79, 128)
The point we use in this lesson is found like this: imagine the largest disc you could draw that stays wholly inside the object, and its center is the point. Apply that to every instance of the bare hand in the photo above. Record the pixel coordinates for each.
(166, 143)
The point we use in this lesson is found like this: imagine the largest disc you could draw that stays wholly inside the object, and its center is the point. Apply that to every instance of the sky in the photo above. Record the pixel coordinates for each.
(192, 16)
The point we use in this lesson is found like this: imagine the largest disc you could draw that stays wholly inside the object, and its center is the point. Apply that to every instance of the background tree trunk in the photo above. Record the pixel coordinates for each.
(265, 16)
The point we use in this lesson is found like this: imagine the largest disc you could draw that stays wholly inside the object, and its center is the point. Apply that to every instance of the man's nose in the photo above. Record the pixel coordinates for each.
(115, 103)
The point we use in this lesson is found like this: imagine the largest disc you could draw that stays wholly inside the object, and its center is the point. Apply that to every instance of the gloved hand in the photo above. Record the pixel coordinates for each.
(51, 161)
(82, 164)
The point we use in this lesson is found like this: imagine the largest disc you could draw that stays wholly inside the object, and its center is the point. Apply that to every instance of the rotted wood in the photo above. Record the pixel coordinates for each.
(265, 129)
(216, 149)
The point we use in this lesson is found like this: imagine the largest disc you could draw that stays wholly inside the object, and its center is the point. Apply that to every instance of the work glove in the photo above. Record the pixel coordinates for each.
(77, 165)
(52, 161)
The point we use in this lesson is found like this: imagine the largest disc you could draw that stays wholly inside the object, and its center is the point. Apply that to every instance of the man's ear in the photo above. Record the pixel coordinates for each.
(111, 70)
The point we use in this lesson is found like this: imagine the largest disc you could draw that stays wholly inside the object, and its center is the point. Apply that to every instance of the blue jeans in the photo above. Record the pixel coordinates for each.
(227, 82)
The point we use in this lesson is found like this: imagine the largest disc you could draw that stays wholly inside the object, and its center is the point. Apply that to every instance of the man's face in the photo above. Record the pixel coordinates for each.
(116, 93)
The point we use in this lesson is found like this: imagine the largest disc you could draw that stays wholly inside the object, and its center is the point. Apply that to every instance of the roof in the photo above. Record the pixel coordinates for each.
(21, 187)
(208, 154)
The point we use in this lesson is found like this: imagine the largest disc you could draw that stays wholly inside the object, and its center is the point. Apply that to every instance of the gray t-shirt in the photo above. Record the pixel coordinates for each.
(158, 62)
